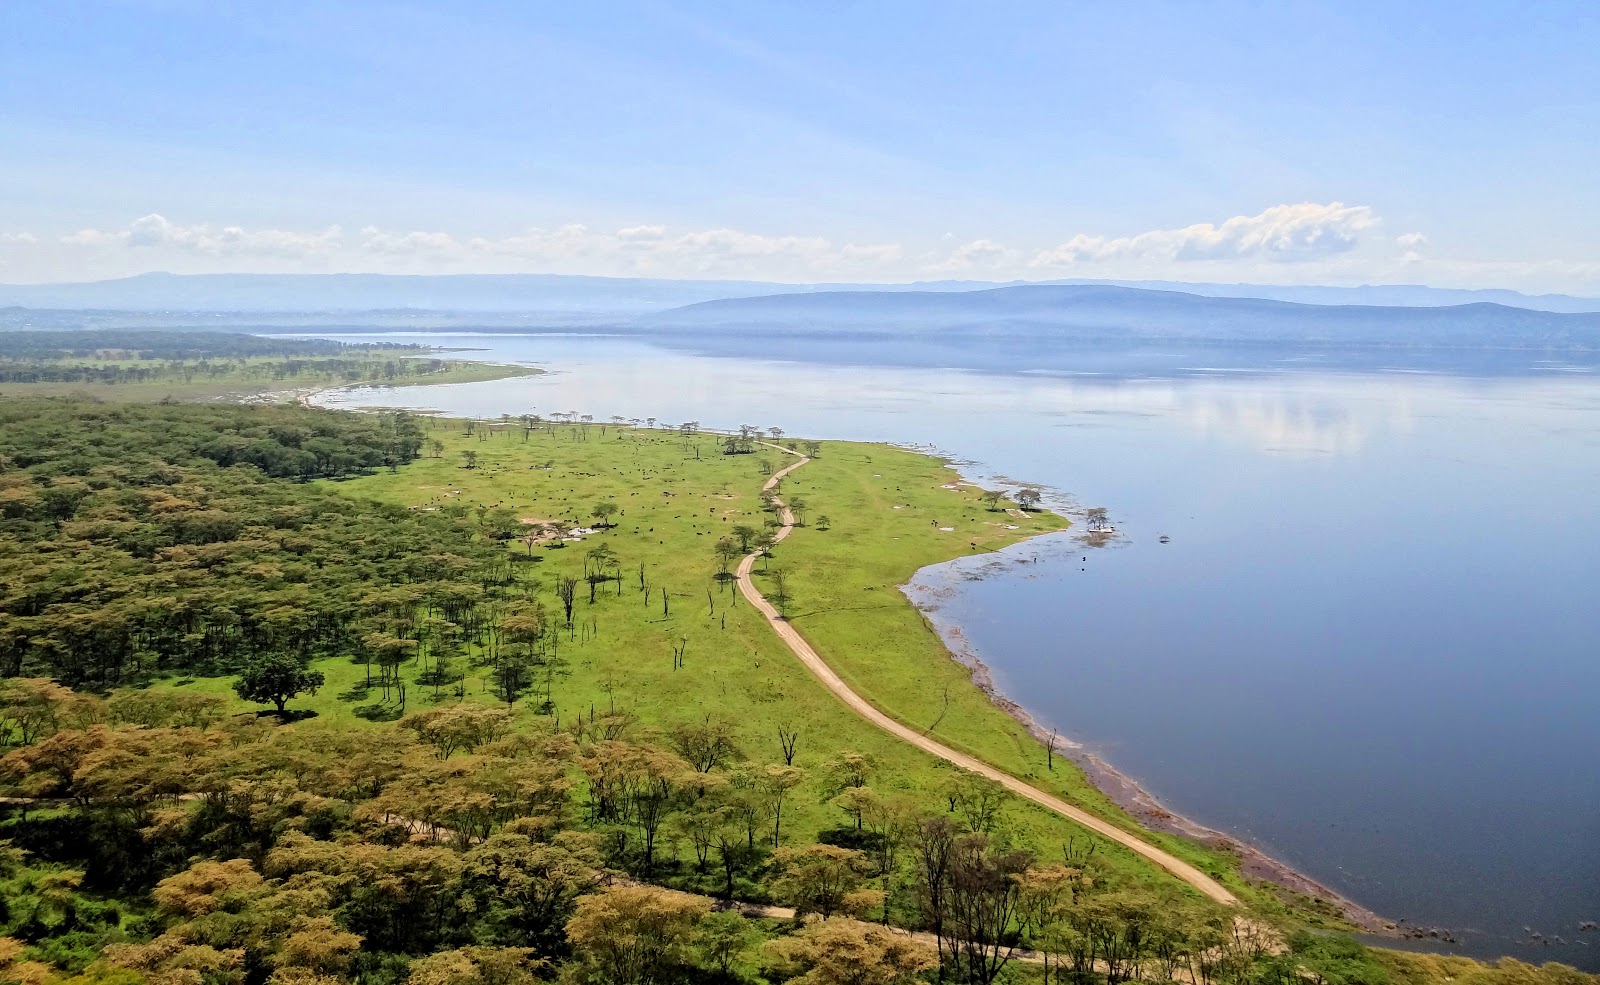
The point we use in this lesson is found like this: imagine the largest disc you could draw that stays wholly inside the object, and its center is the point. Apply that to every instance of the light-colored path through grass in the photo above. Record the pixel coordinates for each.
(824, 673)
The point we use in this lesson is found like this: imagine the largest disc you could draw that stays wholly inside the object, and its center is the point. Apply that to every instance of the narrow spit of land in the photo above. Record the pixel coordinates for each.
(824, 673)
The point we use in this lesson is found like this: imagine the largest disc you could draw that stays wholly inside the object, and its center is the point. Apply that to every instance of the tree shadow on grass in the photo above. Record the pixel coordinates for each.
(289, 715)
(379, 712)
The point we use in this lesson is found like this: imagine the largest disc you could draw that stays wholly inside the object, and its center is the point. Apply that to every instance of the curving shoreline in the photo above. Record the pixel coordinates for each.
(1122, 789)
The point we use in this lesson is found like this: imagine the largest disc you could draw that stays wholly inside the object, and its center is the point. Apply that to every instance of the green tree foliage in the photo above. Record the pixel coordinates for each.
(275, 678)
(141, 539)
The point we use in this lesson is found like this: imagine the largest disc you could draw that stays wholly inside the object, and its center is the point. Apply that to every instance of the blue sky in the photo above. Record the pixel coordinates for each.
(1454, 144)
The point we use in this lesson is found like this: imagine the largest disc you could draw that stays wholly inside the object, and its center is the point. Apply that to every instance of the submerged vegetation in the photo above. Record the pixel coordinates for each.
(307, 697)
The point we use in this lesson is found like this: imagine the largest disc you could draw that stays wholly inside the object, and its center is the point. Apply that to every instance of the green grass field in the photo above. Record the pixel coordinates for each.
(677, 496)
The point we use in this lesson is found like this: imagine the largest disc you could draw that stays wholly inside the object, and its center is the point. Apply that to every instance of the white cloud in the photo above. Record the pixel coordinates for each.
(376, 240)
(642, 234)
(1307, 231)
(155, 232)
(1411, 246)
(1331, 244)
(980, 254)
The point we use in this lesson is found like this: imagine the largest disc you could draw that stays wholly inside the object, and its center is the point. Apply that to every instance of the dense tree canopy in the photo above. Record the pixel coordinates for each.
(137, 539)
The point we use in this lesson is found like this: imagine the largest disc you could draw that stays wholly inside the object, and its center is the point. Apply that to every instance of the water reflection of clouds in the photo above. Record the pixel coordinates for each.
(1302, 413)
(1299, 416)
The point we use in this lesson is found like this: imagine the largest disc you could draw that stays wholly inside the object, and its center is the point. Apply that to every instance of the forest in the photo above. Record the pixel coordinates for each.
(155, 833)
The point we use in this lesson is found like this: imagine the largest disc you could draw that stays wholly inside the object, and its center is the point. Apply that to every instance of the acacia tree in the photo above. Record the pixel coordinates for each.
(843, 952)
(726, 551)
(635, 934)
(824, 879)
(603, 511)
(780, 592)
(776, 782)
(705, 744)
(1028, 498)
(984, 898)
(276, 678)
(991, 499)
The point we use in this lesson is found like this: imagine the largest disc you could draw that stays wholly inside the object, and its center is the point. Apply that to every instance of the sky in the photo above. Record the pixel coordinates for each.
(827, 140)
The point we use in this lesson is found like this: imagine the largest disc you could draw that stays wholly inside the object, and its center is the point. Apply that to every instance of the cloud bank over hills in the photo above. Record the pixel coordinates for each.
(1297, 243)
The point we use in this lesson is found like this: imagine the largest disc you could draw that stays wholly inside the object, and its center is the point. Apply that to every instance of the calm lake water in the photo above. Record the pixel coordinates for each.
(1371, 646)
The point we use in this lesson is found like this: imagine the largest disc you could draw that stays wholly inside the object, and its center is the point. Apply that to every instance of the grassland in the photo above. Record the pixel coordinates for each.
(888, 510)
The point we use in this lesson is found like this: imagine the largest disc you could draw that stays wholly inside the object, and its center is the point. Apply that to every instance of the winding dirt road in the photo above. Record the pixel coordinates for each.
(833, 682)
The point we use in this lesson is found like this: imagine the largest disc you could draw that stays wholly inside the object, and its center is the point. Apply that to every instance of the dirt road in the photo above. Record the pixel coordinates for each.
(824, 673)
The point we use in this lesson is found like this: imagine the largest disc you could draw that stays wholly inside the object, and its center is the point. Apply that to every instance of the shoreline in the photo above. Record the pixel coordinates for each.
(1126, 792)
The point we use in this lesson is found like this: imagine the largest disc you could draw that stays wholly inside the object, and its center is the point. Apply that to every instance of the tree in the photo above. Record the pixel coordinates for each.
(477, 966)
(1028, 498)
(821, 878)
(723, 938)
(991, 499)
(457, 727)
(603, 512)
(849, 769)
(788, 739)
(705, 744)
(780, 592)
(726, 550)
(276, 678)
(813, 449)
(525, 890)
(776, 782)
(469, 459)
(933, 842)
(843, 952)
(567, 592)
(635, 935)
(984, 897)
(977, 799)
(746, 536)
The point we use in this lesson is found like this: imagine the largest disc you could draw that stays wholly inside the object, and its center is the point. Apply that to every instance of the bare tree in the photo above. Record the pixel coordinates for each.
(567, 591)
(788, 738)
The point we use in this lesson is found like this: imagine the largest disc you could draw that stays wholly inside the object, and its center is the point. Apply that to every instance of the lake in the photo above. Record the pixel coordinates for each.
(1370, 645)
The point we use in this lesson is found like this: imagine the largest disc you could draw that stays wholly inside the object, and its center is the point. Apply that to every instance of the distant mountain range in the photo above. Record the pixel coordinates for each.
(562, 299)
(1066, 313)
(1092, 313)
